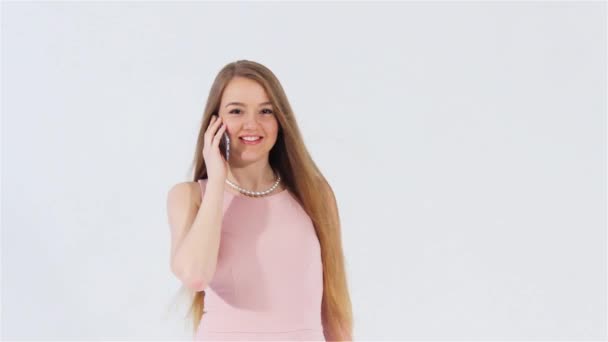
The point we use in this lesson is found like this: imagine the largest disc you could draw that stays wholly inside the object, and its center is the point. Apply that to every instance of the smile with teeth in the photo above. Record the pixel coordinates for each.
(251, 140)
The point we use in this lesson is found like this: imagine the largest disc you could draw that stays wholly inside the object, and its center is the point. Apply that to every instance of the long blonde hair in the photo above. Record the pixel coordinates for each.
(304, 180)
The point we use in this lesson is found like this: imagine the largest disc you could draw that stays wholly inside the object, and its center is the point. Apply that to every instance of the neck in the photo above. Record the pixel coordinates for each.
(257, 176)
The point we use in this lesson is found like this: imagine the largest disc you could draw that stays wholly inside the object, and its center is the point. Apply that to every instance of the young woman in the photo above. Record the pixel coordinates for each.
(256, 237)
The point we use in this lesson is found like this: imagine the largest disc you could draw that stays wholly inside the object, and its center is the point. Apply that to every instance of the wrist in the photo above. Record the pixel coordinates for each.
(215, 183)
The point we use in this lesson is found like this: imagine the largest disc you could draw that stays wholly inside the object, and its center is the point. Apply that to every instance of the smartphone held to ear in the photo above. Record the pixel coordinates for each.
(225, 146)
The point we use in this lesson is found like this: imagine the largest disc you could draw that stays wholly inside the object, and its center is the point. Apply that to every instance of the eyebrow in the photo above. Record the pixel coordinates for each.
(242, 104)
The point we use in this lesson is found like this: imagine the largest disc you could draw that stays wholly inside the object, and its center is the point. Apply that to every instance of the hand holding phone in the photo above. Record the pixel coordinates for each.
(225, 146)
(216, 157)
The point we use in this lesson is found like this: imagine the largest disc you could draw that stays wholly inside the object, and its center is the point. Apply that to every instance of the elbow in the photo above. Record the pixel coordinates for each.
(196, 284)
(192, 280)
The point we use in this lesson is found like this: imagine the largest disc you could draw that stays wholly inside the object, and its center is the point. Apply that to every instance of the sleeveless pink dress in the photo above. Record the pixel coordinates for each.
(268, 283)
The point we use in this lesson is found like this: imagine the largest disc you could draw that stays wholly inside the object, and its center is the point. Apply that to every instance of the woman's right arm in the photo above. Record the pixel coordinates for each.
(195, 232)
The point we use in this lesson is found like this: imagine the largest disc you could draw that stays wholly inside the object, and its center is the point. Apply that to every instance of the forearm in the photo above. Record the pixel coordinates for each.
(196, 256)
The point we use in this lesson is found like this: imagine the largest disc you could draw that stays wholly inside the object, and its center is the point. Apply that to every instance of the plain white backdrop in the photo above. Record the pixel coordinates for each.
(465, 142)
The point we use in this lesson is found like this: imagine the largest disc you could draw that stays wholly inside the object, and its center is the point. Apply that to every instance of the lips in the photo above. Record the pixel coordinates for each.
(251, 142)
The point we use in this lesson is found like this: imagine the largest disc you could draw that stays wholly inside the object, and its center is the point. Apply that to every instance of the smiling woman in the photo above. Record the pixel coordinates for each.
(248, 116)
(256, 239)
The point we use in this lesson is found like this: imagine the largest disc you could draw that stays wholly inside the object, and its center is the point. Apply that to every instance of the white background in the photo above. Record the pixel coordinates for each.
(465, 143)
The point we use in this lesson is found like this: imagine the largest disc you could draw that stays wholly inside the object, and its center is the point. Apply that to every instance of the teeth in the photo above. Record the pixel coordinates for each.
(251, 138)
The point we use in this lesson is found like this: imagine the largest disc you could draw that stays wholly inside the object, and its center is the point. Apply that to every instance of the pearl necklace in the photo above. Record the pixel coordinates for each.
(255, 193)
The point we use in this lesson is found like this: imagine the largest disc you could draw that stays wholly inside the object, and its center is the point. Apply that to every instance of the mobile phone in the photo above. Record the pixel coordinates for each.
(225, 146)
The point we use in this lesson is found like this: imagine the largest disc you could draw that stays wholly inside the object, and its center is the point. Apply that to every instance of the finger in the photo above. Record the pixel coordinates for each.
(218, 135)
(217, 121)
(212, 128)
(220, 132)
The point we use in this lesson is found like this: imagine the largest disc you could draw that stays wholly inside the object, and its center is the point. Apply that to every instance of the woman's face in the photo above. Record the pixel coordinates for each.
(247, 112)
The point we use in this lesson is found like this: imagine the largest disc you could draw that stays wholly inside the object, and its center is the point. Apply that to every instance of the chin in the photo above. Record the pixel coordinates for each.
(253, 155)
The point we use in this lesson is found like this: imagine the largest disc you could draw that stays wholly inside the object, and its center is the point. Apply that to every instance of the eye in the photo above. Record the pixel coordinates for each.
(232, 111)
(269, 110)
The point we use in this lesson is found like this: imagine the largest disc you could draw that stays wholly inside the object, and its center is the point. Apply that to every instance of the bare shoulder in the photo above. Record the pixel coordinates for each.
(184, 193)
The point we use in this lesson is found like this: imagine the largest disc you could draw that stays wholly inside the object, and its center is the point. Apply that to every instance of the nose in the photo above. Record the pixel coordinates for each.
(250, 122)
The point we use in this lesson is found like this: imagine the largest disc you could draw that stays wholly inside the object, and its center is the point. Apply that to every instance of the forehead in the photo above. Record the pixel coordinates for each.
(244, 90)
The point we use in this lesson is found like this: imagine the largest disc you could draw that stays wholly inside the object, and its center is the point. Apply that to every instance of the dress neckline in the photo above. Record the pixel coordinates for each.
(234, 195)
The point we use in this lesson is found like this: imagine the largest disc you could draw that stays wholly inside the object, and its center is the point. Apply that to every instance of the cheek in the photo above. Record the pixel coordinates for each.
(273, 128)
(272, 136)
(230, 128)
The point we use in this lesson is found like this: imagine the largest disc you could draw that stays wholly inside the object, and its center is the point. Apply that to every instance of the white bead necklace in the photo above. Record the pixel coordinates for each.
(255, 193)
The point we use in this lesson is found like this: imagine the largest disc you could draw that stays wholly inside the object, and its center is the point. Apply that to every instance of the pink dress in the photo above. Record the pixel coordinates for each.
(268, 282)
